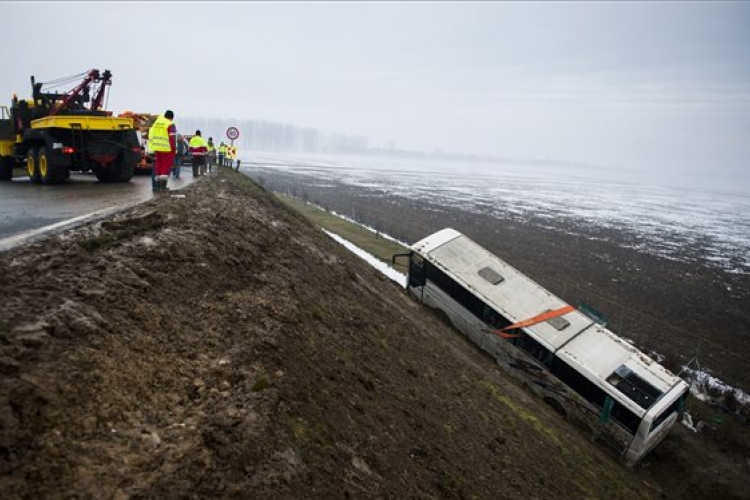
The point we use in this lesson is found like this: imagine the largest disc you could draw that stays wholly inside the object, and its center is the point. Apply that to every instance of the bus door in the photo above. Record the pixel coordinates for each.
(417, 274)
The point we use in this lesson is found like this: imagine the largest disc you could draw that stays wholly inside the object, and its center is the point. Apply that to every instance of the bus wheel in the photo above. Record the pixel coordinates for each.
(32, 168)
(6, 168)
(555, 405)
(49, 172)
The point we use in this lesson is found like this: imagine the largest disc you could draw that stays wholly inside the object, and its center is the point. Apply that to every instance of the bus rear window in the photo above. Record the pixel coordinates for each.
(674, 407)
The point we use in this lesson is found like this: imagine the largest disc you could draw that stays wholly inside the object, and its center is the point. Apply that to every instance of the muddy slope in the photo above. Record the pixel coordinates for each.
(219, 346)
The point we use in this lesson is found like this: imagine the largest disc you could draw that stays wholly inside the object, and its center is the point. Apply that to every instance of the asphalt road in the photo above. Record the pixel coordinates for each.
(27, 208)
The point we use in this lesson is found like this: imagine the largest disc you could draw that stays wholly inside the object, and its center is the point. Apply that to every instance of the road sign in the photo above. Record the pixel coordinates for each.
(233, 133)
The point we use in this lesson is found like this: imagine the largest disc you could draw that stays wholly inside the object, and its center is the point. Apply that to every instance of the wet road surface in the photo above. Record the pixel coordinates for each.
(25, 207)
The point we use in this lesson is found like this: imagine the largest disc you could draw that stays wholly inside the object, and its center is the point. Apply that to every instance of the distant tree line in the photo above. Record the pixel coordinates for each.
(261, 135)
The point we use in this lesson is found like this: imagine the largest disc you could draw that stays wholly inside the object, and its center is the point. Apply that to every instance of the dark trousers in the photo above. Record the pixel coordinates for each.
(199, 165)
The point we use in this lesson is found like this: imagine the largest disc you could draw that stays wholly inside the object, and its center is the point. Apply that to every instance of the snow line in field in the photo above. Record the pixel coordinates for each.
(371, 229)
(356, 222)
(378, 264)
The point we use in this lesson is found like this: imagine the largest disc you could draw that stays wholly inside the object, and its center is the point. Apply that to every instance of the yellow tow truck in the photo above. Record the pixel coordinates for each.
(53, 133)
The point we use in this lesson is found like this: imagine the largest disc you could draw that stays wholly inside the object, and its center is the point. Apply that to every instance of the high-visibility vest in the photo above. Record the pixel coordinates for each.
(211, 147)
(197, 142)
(223, 149)
(158, 136)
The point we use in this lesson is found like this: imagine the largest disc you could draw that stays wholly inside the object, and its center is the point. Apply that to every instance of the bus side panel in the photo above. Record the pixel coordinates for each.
(527, 370)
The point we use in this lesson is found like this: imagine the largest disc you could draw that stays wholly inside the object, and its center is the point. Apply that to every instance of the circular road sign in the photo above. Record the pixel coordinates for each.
(233, 133)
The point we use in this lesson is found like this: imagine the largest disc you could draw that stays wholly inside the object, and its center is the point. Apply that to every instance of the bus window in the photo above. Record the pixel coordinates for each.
(534, 349)
(625, 417)
(457, 292)
(583, 386)
(493, 318)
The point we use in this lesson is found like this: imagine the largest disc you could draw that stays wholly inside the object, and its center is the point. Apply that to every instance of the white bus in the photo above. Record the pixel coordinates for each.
(587, 373)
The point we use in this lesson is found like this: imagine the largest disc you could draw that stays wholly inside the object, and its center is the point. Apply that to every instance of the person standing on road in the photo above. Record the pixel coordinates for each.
(211, 154)
(222, 153)
(198, 149)
(181, 152)
(162, 142)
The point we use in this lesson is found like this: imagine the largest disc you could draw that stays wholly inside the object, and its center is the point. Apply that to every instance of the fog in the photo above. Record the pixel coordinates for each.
(662, 88)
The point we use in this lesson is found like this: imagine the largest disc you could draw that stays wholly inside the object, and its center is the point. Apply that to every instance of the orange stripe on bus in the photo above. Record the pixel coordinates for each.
(533, 321)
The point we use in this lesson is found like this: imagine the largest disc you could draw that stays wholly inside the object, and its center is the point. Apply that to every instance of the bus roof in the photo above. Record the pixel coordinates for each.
(574, 337)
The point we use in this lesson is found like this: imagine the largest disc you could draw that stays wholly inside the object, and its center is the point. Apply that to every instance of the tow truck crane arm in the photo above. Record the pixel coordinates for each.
(98, 102)
(75, 98)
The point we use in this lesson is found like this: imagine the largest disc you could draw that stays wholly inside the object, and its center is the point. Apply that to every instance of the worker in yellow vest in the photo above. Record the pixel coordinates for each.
(161, 142)
(198, 150)
(222, 153)
(211, 155)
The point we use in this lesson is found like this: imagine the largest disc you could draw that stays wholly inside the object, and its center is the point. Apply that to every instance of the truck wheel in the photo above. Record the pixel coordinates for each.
(6, 168)
(49, 172)
(125, 165)
(121, 170)
(32, 168)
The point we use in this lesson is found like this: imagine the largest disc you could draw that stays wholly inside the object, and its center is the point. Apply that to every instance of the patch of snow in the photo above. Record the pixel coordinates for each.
(706, 387)
(687, 421)
(378, 264)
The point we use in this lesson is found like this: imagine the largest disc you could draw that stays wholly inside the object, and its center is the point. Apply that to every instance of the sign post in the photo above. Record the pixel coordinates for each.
(232, 133)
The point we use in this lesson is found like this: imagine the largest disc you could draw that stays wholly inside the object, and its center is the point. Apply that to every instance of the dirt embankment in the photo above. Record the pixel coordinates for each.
(219, 346)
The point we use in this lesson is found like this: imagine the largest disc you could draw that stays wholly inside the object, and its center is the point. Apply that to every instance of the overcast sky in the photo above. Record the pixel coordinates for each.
(661, 87)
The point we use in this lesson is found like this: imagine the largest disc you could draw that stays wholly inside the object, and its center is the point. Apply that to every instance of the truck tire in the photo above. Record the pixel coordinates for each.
(32, 167)
(126, 163)
(6, 168)
(49, 172)
(121, 170)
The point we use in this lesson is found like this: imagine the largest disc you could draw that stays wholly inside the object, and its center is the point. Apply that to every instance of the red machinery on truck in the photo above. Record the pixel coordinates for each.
(142, 122)
(54, 133)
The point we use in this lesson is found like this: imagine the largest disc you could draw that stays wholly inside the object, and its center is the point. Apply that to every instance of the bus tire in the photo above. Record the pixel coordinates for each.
(49, 172)
(32, 166)
(6, 168)
(556, 405)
